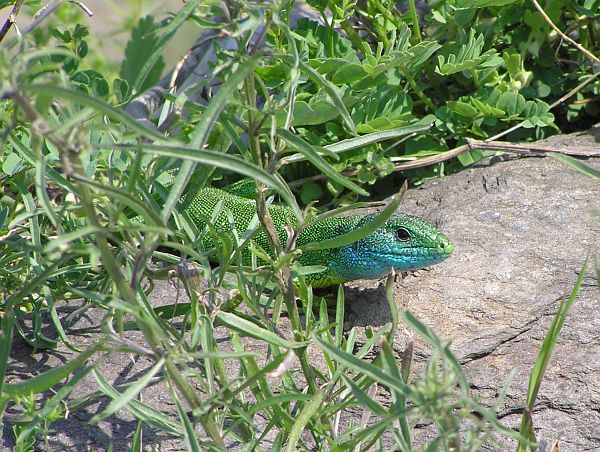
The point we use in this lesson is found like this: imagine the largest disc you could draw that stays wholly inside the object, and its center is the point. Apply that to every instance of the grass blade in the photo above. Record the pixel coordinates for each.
(46, 380)
(251, 329)
(96, 104)
(130, 393)
(364, 140)
(362, 231)
(539, 369)
(319, 162)
(307, 412)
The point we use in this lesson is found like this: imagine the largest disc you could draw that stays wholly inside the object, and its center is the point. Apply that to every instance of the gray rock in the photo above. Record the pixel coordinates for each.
(522, 229)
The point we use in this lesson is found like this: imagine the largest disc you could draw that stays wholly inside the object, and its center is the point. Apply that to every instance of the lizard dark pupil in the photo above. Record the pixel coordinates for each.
(403, 235)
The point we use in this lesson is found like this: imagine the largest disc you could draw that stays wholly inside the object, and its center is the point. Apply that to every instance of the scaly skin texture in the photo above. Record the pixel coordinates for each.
(404, 242)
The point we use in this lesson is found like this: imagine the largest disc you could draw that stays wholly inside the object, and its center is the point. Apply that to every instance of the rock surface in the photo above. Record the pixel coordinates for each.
(522, 229)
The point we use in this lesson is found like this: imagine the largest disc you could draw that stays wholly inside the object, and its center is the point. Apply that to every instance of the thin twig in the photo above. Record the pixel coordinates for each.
(11, 19)
(589, 54)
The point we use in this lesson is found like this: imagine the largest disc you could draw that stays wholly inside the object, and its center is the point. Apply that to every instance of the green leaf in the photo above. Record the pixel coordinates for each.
(469, 56)
(143, 64)
(95, 103)
(487, 109)
(541, 364)
(146, 413)
(130, 393)
(319, 162)
(463, 109)
(348, 73)
(511, 103)
(304, 416)
(537, 114)
(576, 164)
(358, 365)
(365, 140)
(329, 87)
(251, 329)
(360, 232)
(51, 405)
(46, 380)
(121, 90)
(12, 164)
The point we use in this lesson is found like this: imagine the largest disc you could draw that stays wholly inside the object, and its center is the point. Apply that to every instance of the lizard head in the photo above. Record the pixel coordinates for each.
(403, 243)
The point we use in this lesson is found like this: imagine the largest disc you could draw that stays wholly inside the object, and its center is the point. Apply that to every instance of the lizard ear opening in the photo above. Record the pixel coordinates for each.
(403, 234)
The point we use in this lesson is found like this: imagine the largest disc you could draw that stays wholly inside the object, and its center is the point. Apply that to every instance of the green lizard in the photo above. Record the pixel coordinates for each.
(403, 243)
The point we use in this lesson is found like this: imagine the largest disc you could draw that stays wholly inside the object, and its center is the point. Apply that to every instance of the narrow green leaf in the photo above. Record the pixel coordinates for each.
(360, 232)
(329, 87)
(339, 316)
(189, 433)
(95, 103)
(136, 441)
(307, 412)
(141, 411)
(130, 393)
(46, 380)
(576, 164)
(363, 398)
(364, 140)
(319, 162)
(52, 404)
(279, 400)
(358, 365)
(253, 330)
(429, 335)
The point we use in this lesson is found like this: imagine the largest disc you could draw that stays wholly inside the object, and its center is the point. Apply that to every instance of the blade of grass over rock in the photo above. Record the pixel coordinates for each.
(319, 162)
(339, 316)
(189, 433)
(97, 104)
(220, 160)
(364, 140)
(428, 334)
(52, 404)
(361, 232)
(140, 410)
(539, 369)
(7, 320)
(363, 398)
(279, 400)
(576, 164)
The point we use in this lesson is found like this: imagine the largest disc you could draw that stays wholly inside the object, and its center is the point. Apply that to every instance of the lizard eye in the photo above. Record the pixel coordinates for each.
(403, 235)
